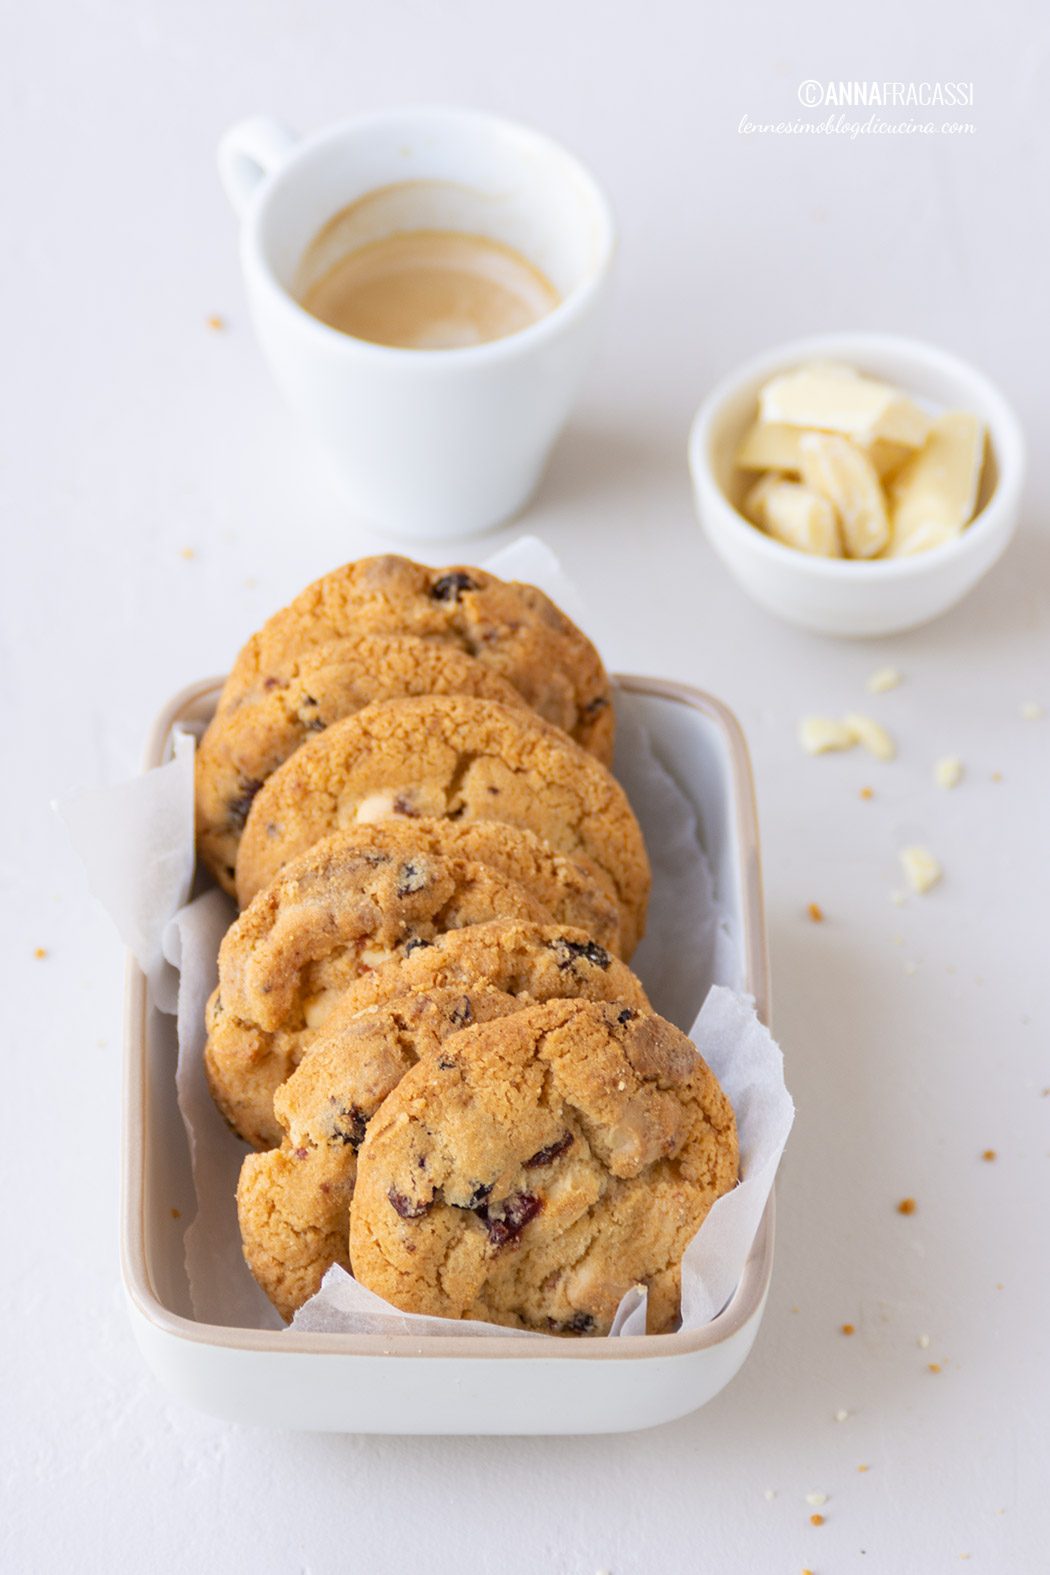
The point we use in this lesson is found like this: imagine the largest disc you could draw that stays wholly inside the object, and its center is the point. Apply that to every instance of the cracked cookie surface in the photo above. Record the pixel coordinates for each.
(344, 909)
(512, 628)
(538, 1166)
(452, 758)
(245, 743)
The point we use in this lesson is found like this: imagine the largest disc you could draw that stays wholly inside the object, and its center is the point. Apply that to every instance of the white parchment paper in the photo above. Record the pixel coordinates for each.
(136, 841)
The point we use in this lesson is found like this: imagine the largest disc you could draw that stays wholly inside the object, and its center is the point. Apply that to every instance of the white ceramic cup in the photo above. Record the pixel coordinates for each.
(425, 443)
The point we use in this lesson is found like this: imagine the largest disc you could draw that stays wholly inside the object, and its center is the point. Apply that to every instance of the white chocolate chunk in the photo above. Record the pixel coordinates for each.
(769, 446)
(376, 807)
(872, 735)
(834, 400)
(921, 869)
(840, 470)
(947, 773)
(795, 515)
(818, 734)
(882, 679)
(933, 496)
(887, 457)
(816, 1499)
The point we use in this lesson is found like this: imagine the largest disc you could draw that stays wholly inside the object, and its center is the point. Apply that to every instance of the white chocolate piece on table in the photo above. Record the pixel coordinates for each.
(818, 734)
(834, 466)
(882, 679)
(920, 868)
(934, 495)
(795, 515)
(947, 773)
(872, 735)
(834, 400)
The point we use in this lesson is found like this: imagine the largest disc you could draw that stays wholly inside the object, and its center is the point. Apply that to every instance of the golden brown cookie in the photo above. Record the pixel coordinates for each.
(293, 1201)
(539, 1166)
(344, 909)
(246, 742)
(447, 757)
(513, 629)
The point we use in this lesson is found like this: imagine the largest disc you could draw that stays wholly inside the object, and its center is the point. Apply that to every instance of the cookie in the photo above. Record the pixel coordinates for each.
(246, 742)
(539, 1166)
(342, 910)
(515, 630)
(293, 1201)
(448, 757)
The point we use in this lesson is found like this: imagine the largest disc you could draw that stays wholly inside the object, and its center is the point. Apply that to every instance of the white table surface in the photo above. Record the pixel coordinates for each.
(134, 436)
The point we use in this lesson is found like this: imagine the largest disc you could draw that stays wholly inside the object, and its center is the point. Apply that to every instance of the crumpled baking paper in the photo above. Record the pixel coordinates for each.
(136, 841)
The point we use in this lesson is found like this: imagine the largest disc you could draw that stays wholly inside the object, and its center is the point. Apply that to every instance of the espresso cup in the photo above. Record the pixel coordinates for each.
(424, 443)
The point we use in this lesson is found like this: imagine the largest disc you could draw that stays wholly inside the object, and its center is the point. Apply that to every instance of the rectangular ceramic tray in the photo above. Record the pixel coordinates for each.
(465, 1384)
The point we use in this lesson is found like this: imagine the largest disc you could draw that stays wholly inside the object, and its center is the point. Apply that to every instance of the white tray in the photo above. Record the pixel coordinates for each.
(465, 1384)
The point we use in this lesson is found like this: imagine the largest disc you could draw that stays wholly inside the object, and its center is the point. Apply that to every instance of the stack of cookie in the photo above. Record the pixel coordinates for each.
(424, 1023)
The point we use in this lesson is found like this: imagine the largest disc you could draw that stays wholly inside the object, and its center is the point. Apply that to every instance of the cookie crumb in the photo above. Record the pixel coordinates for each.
(176, 1214)
(40, 952)
(816, 1500)
(947, 773)
(863, 1468)
(769, 1495)
(847, 1328)
(882, 679)
(215, 323)
(841, 1416)
(816, 1520)
(815, 912)
(1032, 711)
(933, 1367)
(924, 1341)
(867, 792)
(921, 869)
(187, 553)
(988, 1155)
(907, 1206)
(997, 776)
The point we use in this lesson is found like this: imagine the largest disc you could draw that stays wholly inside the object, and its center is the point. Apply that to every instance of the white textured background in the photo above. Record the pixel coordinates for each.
(131, 432)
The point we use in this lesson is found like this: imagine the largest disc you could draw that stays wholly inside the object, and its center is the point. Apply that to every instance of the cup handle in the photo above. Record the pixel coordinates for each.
(249, 152)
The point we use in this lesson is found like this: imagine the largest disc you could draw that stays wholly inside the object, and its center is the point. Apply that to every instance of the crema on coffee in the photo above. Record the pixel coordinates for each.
(427, 289)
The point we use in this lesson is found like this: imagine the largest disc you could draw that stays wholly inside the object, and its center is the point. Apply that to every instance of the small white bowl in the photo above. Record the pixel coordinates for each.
(838, 595)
